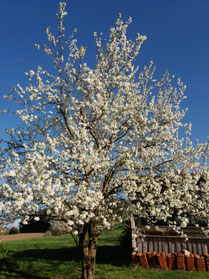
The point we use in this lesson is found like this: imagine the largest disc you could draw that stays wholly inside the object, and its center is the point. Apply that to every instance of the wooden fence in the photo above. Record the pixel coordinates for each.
(171, 244)
(196, 244)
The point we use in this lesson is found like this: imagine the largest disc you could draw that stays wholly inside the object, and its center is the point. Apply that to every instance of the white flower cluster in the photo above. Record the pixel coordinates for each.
(98, 145)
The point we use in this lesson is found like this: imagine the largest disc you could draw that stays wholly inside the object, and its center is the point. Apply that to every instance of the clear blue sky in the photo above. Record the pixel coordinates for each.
(177, 31)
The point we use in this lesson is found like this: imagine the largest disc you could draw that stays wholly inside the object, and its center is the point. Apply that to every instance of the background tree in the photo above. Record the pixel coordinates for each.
(93, 141)
(36, 224)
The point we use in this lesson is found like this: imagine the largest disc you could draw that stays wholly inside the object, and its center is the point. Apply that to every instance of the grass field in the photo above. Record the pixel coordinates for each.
(57, 257)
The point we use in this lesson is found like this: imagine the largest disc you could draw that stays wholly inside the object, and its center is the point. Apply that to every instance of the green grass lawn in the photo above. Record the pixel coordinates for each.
(57, 257)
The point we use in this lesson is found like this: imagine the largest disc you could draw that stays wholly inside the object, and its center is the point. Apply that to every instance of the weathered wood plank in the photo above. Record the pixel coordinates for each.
(199, 248)
(178, 246)
(133, 237)
(151, 246)
(204, 248)
(139, 246)
(169, 246)
(160, 249)
(156, 246)
(189, 247)
(144, 246)
(173, 247)
(179, 237)
(184, 246)
(194, 248)
(165, 247)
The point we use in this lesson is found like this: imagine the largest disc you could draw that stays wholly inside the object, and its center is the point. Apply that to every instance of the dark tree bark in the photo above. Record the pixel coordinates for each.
(88, 241)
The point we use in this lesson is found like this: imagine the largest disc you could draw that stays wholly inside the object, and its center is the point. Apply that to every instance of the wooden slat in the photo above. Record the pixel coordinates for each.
(139, 246)
(150, 246)
(165, 247)
(173, 247)
(160, 248)
(199, 248)
(169, 246)
(184, 246)
(194, 248)
(189, 230)
(204, 248)
(178, 237)
(133, 238)
(156, 246)
(189, 247)
(144, 246)
(178, 246)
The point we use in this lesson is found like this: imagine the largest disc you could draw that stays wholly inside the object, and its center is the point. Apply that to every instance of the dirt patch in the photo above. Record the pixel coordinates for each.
(21, 236)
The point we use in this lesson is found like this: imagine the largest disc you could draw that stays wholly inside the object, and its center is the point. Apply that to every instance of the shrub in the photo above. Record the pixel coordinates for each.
(58, 228)
(48, 233)
(125, 239)
(13, 230)
(3, 251)
(4, 232)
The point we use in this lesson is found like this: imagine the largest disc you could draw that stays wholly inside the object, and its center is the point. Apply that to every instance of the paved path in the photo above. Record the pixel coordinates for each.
(21, 236)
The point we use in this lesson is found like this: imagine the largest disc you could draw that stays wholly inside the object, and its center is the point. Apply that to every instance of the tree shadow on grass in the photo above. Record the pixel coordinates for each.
(114, 255)
(10, 268)
(23, 264)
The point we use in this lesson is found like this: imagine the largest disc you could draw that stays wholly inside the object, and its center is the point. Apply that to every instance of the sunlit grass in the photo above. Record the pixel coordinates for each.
(57, 257)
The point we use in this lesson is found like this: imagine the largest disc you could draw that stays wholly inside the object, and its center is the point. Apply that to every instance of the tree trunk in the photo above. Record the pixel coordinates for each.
(88, 243)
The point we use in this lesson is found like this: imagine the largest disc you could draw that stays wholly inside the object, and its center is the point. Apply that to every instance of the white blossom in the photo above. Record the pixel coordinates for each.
(99, 144)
